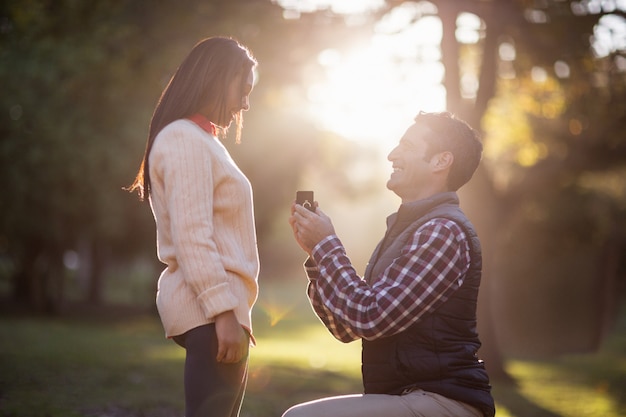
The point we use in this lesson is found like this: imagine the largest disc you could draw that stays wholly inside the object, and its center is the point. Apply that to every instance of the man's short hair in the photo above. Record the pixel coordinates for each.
(449, 133)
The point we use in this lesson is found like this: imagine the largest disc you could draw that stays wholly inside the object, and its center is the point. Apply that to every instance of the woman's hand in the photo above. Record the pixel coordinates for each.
(232, 340)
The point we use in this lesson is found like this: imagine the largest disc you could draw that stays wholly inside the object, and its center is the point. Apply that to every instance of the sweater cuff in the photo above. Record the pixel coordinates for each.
(217, 300)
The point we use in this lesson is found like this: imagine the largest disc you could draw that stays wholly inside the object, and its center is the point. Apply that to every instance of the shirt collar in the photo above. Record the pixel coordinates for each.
(204, 123)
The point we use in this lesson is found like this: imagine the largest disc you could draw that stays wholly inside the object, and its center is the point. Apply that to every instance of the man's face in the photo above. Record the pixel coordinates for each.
(412, 172)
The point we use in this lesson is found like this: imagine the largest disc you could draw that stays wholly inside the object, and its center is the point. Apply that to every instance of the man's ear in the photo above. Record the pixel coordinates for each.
(442, 160)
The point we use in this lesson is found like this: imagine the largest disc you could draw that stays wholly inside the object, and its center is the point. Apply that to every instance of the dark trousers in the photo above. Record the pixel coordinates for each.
(212, 389)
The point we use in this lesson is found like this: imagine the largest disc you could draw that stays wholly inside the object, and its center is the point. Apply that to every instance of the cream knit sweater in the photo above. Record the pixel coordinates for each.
(202, 205)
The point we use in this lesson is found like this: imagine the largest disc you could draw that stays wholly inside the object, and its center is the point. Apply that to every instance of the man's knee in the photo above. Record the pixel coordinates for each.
(295, 411)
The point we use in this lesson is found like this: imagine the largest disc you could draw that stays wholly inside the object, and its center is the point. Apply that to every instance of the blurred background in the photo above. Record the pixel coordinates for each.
(338, 83)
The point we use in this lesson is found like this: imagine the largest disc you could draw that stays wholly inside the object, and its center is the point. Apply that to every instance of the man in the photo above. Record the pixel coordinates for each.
(415, 308)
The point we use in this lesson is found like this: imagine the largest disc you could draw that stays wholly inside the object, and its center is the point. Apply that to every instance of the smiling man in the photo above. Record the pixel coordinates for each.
(415, 307)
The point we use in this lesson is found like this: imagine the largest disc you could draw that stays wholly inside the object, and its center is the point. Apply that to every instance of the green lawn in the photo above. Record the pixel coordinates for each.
(83, 366)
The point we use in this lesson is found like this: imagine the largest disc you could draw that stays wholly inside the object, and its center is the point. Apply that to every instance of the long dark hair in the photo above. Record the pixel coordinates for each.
(203, 77)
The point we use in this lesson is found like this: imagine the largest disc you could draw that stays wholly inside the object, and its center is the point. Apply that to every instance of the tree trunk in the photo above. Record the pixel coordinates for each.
(95, 282)
(607, 291)
(39, 281)
(480, 188)
(22, 280)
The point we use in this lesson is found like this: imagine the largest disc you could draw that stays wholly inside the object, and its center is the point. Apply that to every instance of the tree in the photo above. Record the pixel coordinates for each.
(62, 119)
(545, 163)
(551, 111)
(80, 81)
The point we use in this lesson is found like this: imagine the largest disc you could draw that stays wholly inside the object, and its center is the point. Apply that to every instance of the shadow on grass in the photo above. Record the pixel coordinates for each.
(569, 385)
(517, 404)
(273, 389)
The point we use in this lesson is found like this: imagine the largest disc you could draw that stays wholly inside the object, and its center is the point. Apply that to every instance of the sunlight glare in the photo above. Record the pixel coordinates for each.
(371, 93)
(609, 35)
(275, 311)
(345, 7)
(469, 26)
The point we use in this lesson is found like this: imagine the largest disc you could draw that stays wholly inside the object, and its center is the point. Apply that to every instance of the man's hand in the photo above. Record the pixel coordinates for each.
(232, 340)
(309, 228)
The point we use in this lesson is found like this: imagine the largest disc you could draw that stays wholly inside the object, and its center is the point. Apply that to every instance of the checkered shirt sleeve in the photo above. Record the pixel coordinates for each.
(431, 267)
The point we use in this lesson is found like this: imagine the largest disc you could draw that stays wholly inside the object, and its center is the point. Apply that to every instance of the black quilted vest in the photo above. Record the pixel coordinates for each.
(438, 353)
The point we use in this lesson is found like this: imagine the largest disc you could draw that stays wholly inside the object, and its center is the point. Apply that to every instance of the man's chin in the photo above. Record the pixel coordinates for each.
(393, 189)
(393, 181)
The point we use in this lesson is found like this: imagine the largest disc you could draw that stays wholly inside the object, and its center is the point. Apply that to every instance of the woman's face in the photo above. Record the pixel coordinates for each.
(237, 98)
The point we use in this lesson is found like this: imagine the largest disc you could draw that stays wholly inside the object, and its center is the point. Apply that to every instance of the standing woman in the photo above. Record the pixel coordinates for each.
(202, 206)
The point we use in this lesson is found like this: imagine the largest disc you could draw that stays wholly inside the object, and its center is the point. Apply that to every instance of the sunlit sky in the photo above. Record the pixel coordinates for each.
(372, 92)
(336, 6)
(368, 96)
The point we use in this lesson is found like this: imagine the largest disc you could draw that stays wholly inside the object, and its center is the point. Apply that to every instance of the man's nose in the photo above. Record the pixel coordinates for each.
(390, 157)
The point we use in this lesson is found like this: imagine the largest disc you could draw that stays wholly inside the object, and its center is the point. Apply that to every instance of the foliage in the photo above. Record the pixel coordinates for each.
(550, 100)
(80, 81)
(66, 149)
(553, 125)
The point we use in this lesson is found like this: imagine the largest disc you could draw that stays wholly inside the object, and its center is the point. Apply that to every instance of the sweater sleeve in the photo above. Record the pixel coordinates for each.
(186, 166)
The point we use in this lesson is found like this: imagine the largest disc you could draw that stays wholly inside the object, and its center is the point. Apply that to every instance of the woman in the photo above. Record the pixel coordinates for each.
(202, 206)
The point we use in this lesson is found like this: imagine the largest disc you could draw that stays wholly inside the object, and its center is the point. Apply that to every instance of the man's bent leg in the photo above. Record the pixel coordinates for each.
(414, 404)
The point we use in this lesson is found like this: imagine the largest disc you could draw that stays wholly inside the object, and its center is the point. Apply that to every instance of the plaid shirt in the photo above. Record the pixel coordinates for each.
(431, 267)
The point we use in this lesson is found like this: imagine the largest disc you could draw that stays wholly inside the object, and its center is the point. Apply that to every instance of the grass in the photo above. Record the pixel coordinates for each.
(573, 385)
(83, 366)
(76, 368)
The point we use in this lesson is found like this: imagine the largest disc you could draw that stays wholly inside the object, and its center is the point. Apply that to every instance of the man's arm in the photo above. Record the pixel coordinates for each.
(326, 314)
(431, 267)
